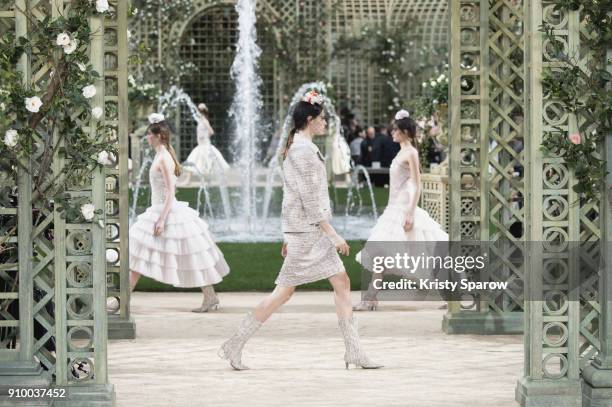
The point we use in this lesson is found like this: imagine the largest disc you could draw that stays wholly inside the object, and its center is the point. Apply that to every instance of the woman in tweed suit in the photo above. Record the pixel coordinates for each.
(311, 244)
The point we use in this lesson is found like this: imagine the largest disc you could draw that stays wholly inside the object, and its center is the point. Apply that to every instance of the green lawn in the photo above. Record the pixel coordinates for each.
(254, 267)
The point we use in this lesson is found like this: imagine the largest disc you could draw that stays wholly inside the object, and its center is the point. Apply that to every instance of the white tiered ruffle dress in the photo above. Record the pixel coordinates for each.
(184, 255)
(390, 225)
(205, 156)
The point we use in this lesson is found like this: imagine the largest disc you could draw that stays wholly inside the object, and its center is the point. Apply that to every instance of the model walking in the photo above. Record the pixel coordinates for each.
(311, 244)
(402, 220)
(205, 157)
(169, 242)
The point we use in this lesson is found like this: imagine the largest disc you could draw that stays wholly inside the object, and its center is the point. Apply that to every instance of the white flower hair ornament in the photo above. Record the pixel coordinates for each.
(402, 114)
(313, 98)
(155, 118)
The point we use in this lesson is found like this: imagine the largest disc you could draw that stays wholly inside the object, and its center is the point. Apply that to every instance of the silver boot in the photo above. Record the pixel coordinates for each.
(354, 353)
(210, 302)
(232, 348)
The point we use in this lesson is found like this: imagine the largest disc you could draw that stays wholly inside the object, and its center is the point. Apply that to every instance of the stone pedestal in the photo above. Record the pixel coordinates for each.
(548, 393)
(119, 328)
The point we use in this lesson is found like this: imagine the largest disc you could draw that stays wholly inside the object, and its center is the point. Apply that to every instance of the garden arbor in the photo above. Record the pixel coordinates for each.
(504, 189)
(55, 273)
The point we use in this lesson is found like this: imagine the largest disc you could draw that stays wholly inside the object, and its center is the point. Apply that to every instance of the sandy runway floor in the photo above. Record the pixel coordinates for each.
(296, 357)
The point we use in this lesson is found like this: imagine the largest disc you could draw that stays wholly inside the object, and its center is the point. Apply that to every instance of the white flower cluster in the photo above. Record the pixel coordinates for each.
(155, 118)
(11, 138)
(67, 42)
(88, 211)
(106, 158)
(402, 114)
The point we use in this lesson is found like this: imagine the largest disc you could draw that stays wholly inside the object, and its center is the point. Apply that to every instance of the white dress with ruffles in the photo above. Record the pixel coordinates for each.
(390, 225)
(205, 156)
(184, 255)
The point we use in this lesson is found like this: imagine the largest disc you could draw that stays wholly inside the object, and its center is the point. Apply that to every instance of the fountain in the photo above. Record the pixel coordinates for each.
(241, 221)
(246, 108)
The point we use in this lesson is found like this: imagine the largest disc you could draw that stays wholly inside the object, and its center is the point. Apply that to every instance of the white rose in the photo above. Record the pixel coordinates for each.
(71, 47)
(129, 34)
(11, 137)
(464, 83)
(433, 83)
(2, 106)
(89, 91)
(102, 6)
(103, 158)
(82, 67)
(62, 39)
(424, 84)
(96, 112)
(441, 78)
(33, 104)
(87, 210)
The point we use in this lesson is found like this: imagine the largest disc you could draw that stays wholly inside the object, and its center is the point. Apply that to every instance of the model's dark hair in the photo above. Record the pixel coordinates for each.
(301, 113)
(162, 130)
(408, 127)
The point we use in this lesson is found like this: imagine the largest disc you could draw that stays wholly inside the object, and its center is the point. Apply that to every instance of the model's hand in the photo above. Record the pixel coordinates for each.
(409, 223)
(341, 246)
(158, 229)
(284, 250)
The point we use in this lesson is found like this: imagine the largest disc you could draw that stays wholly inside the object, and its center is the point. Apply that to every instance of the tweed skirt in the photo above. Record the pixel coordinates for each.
(311, 256)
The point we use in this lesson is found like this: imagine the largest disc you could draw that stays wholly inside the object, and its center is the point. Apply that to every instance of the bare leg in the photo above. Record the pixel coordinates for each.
(272, 302)
(342, 294)
(134, 277)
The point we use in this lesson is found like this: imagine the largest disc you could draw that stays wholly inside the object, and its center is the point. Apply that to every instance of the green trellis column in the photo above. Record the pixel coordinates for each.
(552, 306)
(18, 366)
(597, 377)
(486, 92)
(121, 325)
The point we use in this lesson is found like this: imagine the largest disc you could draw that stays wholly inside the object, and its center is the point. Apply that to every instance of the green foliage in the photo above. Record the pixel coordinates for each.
(65, 110)
(583, 91)
(396, 54)
(150, 77)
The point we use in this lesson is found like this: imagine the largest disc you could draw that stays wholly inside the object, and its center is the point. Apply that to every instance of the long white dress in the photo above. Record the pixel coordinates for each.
(184, 255)
(390, 225)
(205, 156)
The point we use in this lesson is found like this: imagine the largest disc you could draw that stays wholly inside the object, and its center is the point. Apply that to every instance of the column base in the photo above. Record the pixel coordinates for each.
(95, 395)
(119, 328)
(596, 386)
(477, 323)
(20, 374)
(548, 393)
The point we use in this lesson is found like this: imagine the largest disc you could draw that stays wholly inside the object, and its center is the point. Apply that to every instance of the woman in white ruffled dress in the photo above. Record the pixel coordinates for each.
(205, 157)
(169, 242)
(402, 220)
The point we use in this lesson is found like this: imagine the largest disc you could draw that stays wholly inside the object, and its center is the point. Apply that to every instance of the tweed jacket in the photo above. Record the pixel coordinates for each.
(305, 195)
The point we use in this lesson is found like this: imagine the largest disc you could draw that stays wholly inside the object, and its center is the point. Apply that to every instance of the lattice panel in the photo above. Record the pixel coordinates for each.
(434, 197)
(553, 353)
(115, 73)
(505, 155)
(469, 114)
(354, 78)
